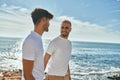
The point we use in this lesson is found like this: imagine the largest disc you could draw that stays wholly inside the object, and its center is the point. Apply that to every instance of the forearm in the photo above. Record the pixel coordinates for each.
(27, 68)
(46, 59)
(45, 63)
(29, 77)
(69, 73)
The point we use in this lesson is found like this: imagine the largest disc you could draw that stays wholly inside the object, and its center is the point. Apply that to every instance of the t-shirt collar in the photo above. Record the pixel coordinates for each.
(35, 34)
(63, 38)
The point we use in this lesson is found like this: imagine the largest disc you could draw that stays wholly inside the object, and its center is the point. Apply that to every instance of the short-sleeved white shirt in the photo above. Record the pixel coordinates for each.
(60, 51)
(32, 49)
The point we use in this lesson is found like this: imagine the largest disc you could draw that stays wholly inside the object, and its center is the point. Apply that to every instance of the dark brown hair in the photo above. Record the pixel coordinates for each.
(38, 13)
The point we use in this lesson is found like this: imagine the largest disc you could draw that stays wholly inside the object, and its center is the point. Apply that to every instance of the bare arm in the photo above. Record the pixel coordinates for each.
(69, 73)
(46, 59)
(27, 68)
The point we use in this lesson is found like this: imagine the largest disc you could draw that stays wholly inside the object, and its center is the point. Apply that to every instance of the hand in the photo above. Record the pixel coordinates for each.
(46, 77)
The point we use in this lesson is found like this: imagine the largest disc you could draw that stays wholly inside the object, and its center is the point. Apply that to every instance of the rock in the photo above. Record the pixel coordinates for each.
(115, 77)
(11, 75)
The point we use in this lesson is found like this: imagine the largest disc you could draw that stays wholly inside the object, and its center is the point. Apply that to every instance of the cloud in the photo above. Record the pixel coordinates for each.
(113, 24)
(4, 5)
(85, 31)
(11, 9)
(15, 21)
(23, 9)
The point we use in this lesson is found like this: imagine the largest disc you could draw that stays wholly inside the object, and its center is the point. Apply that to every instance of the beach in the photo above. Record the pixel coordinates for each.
(10, 75)
(89, 60)
(16, 75)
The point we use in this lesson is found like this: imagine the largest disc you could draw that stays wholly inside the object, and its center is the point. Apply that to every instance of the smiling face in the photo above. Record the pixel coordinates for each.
(65, 29)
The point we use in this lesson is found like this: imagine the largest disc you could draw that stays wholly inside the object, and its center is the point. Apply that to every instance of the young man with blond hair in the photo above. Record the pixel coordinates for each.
(58, 54)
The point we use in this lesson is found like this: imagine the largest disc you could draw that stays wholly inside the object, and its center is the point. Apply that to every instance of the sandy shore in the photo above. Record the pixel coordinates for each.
(11, 75)
(16, 75)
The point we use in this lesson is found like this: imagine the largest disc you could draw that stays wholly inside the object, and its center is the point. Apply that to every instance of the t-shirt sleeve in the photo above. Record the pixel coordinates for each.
(51, 48)
(28, 50)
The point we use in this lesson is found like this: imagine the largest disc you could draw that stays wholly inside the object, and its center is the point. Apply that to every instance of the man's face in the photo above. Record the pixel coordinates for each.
(46, 25)
(65, 29)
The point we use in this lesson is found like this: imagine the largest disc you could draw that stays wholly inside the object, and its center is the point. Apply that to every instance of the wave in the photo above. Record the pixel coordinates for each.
(94, 74)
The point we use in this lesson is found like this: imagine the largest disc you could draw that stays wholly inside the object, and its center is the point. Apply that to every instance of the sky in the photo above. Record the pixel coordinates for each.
(92, 20)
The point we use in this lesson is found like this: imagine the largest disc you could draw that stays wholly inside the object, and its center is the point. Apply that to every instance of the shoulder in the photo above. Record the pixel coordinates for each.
(29, 40)
(55, 40)
(70, 42)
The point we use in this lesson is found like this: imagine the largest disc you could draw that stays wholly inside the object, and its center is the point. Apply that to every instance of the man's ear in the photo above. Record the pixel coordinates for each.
(70, 29)
(43, 19)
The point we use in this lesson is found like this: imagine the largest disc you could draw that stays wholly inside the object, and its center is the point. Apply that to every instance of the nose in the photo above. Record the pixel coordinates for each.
(63, 29)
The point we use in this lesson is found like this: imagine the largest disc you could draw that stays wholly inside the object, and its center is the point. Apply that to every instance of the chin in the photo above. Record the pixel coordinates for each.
(46, 30)
(64, 35)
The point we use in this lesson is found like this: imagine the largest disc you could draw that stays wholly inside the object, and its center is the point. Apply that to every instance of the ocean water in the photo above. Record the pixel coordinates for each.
(89, 60)
(95, 61)
(10, 53)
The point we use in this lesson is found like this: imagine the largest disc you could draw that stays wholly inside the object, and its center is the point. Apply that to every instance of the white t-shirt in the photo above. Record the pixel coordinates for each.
(32, 49)
(60, 51)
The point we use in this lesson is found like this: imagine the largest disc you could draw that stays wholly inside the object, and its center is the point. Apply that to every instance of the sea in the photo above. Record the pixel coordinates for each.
(89, 60)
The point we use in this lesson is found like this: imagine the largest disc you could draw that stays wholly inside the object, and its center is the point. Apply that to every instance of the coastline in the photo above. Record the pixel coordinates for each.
(89, 61)
(10, 75)
(17, 75)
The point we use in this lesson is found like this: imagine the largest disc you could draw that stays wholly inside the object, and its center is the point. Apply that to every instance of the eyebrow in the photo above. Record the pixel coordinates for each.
(64, 27)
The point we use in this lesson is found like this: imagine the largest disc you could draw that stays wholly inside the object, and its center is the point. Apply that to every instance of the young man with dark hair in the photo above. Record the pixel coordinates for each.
(32, 49)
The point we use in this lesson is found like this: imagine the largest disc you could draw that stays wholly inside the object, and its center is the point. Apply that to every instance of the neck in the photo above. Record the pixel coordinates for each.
(38, 30)
(65, 37)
